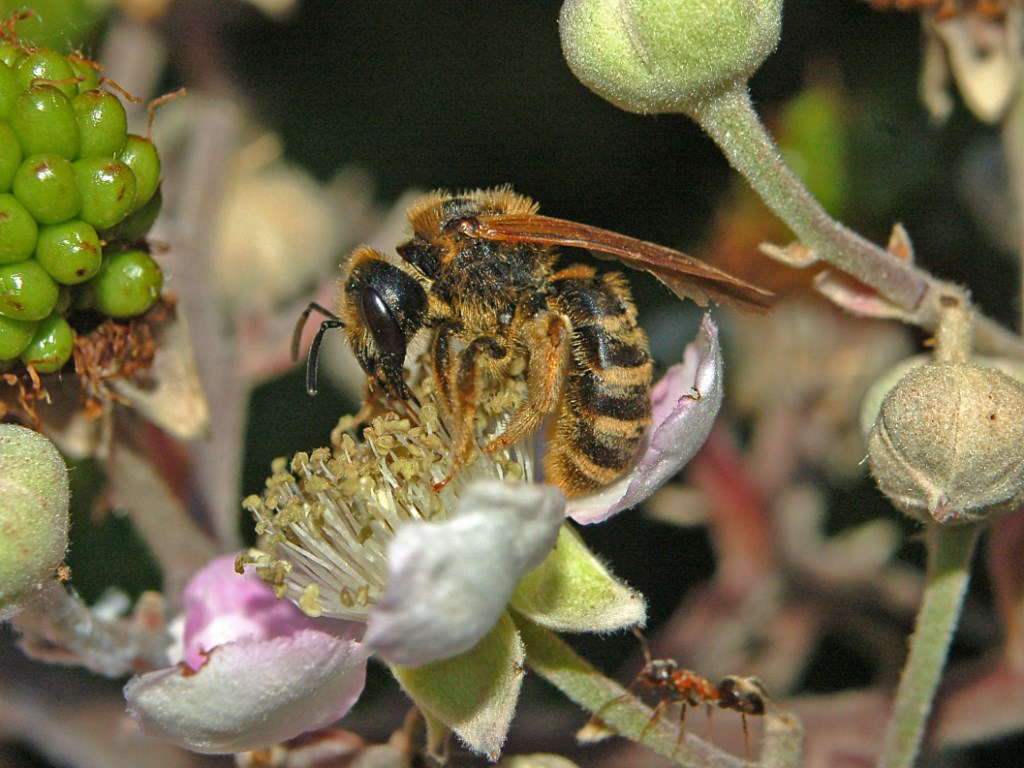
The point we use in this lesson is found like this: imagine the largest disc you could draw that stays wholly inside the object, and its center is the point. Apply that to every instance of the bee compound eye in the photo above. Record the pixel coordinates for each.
(381, 323)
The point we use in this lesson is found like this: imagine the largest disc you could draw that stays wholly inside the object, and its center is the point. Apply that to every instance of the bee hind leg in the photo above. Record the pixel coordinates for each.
(547, 337)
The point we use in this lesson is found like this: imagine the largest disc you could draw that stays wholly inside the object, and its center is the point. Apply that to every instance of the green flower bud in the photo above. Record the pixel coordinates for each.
(948, 442)
(664, 55)
(34, 502)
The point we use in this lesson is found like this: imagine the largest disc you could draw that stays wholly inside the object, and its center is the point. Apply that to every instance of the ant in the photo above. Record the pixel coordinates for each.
(673, 684)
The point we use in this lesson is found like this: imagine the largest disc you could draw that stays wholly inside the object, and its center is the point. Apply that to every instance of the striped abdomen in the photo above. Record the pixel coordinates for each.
(606, 404)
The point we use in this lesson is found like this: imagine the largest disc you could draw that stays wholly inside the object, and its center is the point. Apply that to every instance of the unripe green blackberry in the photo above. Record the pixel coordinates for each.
(140, 155)
(102, 123)
(85, 71)
(18, 230)
(46, 185)
(51, 345)
(9, 89)
(136, 225)
(26, 291)
(70, 252)
(74, 185)
(46, 64)
(127, 284)
(15, 335)
(107, 188)
(44, 122)
(10, 155)
(9, 52)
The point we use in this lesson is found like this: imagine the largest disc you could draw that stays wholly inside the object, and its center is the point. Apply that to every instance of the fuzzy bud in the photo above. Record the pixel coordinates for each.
(948, 442)
(665, 55)
(34, 501)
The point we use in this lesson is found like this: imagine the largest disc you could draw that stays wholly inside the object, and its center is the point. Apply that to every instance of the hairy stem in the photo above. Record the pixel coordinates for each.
(58, 627)
(730, 119)
(949, 559)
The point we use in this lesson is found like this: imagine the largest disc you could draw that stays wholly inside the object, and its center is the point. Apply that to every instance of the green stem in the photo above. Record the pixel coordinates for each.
(730, 119)
(949, 559)
(556, 662)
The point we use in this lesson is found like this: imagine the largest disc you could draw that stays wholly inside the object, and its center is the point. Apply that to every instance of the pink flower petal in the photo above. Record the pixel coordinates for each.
(448, 583)
(223, 606)
(685, 403)
(251, 694)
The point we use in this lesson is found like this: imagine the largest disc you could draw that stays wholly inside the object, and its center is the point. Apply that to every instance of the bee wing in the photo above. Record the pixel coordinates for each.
(684, 275)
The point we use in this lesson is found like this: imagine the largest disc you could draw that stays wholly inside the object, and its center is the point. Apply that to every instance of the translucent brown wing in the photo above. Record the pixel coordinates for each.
(684, 275)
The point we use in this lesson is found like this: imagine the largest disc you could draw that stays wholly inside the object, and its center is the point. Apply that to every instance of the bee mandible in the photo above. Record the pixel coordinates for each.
(479, 275)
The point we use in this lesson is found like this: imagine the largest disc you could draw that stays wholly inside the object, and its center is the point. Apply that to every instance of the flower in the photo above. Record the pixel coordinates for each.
(254, 671)
(380, 561)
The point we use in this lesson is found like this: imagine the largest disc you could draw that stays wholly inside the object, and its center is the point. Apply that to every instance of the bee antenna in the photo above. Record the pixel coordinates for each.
(644, 645)
(333, 321)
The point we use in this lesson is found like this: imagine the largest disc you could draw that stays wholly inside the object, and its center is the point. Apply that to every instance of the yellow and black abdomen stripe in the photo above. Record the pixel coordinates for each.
(606, 404)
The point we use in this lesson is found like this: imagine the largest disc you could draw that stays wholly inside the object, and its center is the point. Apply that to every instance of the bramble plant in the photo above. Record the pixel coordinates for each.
(70, 174)
(362, 552)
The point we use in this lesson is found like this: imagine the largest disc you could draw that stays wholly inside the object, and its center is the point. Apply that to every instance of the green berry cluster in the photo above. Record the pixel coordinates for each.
(76, 190)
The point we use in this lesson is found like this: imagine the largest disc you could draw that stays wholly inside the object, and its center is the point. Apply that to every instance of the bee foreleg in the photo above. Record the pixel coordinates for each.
(547, 337)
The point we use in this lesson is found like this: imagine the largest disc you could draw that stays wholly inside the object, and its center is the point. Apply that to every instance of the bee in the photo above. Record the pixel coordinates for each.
(673, 684)
(479, 276)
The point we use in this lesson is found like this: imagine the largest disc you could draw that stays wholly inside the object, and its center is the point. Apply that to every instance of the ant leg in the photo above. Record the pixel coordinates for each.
(547, 336)
(746, 736)
(659, 712)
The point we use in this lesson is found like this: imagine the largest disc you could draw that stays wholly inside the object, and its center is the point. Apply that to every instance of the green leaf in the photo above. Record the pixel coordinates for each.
(573, 591)
(473, 694)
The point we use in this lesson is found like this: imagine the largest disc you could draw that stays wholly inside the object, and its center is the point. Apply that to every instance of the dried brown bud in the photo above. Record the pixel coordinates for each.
(948, 442)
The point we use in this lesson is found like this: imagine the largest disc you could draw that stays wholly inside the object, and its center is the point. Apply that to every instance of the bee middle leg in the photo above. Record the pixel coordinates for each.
(548, 337)
(483, 350)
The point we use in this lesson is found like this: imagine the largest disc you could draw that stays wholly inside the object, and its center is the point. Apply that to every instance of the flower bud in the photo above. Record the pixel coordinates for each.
(34, 502)
(663, 55)
(948, 442)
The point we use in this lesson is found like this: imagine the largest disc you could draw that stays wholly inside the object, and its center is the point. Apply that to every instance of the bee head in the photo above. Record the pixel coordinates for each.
(383, 308)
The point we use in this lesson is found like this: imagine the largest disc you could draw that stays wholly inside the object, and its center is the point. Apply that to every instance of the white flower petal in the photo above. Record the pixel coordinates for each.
(685, 403)
(448, 583)
(251, 694)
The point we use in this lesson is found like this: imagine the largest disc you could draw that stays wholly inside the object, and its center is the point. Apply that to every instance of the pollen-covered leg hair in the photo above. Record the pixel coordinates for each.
(467, 391)
(442, 360)
(548, 338)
